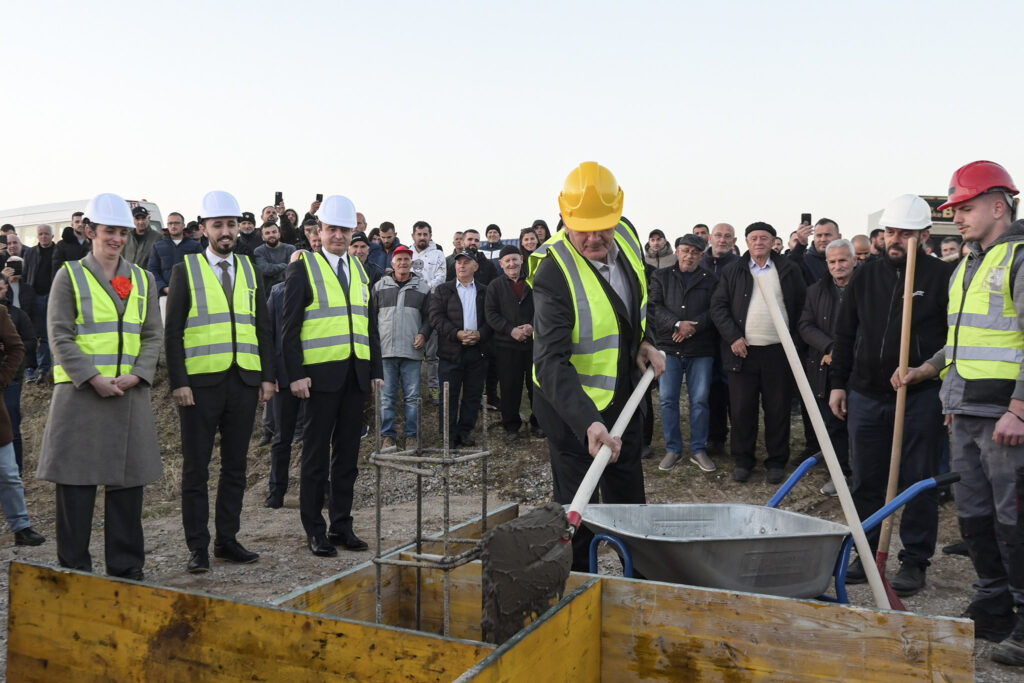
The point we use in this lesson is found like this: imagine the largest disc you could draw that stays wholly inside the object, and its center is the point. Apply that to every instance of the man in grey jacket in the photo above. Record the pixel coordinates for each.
(272, 257)
(141, 240)
(400, 301)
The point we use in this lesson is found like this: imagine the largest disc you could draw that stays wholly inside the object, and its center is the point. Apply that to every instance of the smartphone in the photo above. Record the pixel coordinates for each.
(3, 238)
(805, 219)
(15, 265)
(278, 198)
(319, 197)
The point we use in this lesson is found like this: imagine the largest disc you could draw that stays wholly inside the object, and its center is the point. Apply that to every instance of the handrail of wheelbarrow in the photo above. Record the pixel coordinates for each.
(788, 485)
(874, 520)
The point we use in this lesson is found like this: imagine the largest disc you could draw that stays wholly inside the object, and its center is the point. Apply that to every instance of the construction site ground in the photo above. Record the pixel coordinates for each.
(517, 472)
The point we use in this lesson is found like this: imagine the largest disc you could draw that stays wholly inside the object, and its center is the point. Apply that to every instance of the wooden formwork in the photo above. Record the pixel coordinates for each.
(65, 624)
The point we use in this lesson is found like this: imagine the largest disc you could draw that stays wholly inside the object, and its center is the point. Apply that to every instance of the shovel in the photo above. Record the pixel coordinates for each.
(834, 469)
(885, 536)
(527, 561)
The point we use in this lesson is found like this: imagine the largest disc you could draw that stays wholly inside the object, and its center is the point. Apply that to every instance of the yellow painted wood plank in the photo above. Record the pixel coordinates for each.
(562, 645)
(667, 632)
(65, 624)
(464, 606)
(352, 595)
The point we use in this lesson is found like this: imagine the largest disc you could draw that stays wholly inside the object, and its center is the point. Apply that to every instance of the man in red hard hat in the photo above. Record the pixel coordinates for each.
(983, 390)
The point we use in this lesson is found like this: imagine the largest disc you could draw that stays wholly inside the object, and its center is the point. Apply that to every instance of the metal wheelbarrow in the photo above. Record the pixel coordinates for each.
(735, 546)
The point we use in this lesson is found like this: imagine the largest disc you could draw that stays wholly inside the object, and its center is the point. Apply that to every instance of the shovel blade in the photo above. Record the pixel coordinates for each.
(526, 564)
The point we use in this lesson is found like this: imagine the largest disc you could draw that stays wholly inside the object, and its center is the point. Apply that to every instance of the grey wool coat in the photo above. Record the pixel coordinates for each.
(91, 440)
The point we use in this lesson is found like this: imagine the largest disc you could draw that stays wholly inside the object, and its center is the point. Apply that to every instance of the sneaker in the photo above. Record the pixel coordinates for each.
(740, 474)
(387, 443)
(829, 489)
(365, 433)
(669, 461)
(855, 572)
(775, 475)
(702, 461)
(909, 580)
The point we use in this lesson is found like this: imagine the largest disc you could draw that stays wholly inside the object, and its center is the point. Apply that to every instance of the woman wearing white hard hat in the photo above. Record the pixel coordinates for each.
(104, 327)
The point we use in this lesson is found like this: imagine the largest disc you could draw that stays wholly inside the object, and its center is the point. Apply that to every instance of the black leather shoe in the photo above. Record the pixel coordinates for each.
(909, 580)
(855, 572)
(468, 441)
(134, 575)
(347, 540)
(321, 547)
(274, 501)
(199, 562)
(266, 440)
(28, 536)
(232, 551)
(740, 474)
(537, 433)
(775, 475)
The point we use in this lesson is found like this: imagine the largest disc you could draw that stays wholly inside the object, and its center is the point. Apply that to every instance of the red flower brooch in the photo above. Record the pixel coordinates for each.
(122, 285)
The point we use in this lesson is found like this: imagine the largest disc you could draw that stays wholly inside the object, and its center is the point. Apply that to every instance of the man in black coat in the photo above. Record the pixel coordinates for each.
(865, 356)
(336, 389)
(509, 312)
(679, 314)
(752, 350)
(471, 246)
(457, 315)
(221, 402)
(817, 328)
(73, 244)
(810, 258)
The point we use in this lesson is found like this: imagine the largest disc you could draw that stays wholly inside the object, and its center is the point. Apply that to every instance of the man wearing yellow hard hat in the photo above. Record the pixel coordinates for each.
(590, 321)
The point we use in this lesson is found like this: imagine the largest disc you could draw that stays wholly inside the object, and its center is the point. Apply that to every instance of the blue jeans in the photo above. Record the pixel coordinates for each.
(12, 493)
(698, 384)
(406, 372)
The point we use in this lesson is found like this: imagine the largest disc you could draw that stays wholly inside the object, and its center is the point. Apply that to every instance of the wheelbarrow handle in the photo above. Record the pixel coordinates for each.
(909, 494)
(946, 479)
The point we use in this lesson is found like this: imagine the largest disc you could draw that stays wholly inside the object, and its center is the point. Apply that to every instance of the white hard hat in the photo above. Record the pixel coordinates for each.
(220, 204)
(109, 209)
(338, 210)
(907, 212)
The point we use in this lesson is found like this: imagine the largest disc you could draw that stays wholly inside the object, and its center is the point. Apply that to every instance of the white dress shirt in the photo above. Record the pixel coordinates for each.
(214, 259)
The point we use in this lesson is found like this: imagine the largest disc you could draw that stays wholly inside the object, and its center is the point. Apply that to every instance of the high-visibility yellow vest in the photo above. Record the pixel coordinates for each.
(111, 341)
(984, 338)
(216, 334)
(595, 334)
(334, 326)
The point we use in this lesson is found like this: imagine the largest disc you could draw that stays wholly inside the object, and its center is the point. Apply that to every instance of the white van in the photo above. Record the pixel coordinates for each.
(58, 216)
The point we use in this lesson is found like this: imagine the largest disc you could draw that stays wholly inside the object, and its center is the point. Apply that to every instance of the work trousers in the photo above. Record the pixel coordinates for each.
(124, 547)
(622, 481)
(330, 456)
(989, 497)
(465, 390)
(288, 416)
(514, 370)
(228, 408)
(764, 378)
(870, 422)
(838, 434)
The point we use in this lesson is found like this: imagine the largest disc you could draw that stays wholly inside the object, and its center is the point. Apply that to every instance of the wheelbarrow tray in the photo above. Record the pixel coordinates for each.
(732, 546)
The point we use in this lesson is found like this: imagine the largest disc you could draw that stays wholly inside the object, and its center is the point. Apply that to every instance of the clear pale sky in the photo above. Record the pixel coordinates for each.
(469, 113)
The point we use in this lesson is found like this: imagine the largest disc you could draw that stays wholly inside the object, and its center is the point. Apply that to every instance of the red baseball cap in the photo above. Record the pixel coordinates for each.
(401, 249)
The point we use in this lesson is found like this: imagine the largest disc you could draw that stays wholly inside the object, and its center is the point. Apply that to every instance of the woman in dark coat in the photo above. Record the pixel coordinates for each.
(100, 430)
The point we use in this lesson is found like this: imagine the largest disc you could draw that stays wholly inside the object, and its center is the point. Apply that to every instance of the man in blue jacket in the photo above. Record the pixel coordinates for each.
(171, 250)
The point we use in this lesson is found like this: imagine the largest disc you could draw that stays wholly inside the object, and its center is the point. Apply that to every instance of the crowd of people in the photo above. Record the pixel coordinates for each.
(312, 316)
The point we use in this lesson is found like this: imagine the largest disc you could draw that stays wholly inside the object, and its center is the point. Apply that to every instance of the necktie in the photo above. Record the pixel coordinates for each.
(341, 275)
(225, 278)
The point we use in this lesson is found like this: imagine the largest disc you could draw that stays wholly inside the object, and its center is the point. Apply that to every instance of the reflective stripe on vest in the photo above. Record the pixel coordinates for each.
(332, 327)
(216, 334)
(984, 339)
(595, 333)
(111, 341)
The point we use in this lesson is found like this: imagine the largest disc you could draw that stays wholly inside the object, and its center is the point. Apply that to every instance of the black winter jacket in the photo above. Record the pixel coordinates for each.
(810, 261)
(817, 328)
(868, 331)
(504, 311)
(731, 301)
(669, 301)
(446, 318)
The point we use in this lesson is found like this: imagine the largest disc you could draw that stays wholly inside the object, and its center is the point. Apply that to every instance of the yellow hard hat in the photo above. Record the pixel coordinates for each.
(591, 199)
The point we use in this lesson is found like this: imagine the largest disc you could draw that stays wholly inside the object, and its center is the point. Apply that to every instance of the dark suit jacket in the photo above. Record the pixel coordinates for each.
(325, 376)
(179, 300)
(446, 318)
(553, 320)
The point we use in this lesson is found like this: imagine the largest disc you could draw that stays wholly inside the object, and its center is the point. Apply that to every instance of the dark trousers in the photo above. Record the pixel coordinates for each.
(286, 416)
(492, 378)
(12, 401)
(228, 408)
(622, 481)
(718, 404)
(465, 390)
(764, 377)
(330, 455)
(838, 434)
(515, 368)
(870, 422)
(124, 547)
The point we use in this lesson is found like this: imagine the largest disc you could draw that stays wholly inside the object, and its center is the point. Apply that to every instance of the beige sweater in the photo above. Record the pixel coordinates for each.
(760, 329)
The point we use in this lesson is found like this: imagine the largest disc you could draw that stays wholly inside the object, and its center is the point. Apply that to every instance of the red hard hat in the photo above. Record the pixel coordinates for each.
(976, 178)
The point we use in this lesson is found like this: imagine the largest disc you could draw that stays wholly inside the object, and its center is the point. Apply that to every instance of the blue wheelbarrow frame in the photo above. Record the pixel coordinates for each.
(843, 560)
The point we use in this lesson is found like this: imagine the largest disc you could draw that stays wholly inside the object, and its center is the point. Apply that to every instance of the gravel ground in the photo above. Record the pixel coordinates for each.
(517, 472)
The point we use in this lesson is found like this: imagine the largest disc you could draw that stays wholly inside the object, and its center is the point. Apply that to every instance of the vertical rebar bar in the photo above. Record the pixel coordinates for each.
(419, 519)
(447, 518)
(377, 467)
